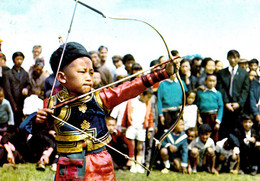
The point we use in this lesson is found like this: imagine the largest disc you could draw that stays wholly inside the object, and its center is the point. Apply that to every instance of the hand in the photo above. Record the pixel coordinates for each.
(173, 66)
(235, 172)
(173, 148)
(10, 158)
(216, 127)
(235, 105)
(229, 107)
(45, 159)
(149, 134)
(162, 119)
(257, 118)
(53, 133)
(25, 91)
(252, 139)
(42, 114)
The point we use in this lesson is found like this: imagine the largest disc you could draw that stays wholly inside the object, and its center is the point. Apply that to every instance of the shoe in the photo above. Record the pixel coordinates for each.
(194, 170)
(40, 166)
(54, 167)
(165, 171)
(139, 169)
(254, 170)
(133, 169)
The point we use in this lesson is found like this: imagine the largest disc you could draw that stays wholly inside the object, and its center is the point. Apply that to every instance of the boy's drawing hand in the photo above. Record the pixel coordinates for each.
(42, 114)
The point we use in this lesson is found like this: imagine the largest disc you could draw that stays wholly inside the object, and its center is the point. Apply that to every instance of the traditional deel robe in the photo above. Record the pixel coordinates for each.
(77, 150)
(73, 145)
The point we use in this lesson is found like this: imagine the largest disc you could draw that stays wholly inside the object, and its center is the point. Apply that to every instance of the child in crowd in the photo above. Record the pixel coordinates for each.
(137, 118)
(211, 105)
(6, 113)
(175, 149)
(219, 65)
(121, 143)
(248, 151)
(227, 151)
(96, 80)
(191, 113)
(191, 133)
(254, 65)
(32, 103)
(202, 151)
(81, 156)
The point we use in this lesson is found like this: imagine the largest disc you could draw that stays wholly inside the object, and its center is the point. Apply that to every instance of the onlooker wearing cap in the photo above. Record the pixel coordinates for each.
(37, 78)
(17, 86)
(243, 63)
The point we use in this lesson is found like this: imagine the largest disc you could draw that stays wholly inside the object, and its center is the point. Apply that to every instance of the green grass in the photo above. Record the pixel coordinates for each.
(27, 172)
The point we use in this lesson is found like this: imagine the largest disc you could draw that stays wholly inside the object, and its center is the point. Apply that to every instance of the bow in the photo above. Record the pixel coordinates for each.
(78, 97)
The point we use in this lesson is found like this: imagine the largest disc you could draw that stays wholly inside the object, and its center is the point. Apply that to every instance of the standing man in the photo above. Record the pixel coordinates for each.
(233, 83)
(17, 85)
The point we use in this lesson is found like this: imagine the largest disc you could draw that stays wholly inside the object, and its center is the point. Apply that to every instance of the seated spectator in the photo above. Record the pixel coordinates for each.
(191, 133)
(32, 103)
(228, 154)
(175, 150)
(121, 143)
(202, 151)
(6, 113)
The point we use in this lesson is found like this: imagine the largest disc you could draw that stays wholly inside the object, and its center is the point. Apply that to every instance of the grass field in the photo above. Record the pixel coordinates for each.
(27, 172)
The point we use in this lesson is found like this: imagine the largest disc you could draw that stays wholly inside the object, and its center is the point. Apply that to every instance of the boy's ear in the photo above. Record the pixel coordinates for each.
(61, 77)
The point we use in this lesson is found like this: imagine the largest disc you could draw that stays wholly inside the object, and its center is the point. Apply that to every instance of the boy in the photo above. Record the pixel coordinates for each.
(137, 118)
(120, 142)
(77, 152)
(6, 113)
(227, 151)
(210, 104)
(175, 148)
(248, 151)
(202, 150)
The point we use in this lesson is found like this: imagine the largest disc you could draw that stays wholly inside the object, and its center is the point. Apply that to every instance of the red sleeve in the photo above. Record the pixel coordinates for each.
(130, 89)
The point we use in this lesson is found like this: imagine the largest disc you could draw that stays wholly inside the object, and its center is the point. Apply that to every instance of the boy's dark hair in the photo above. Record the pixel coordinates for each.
(190, 129)
(110, 118)
(73, 51)
(253, 61)
(246, 116)
(187, 93)
(102, 47)
(148, 91)
(233, 53)
(154, 62)
(16, 54)
(208, 75)
(232, 141)
(128, 57)
(136, 66)
(174, 52)
(204, 128)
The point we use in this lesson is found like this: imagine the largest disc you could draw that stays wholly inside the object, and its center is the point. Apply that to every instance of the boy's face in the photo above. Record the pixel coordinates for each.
(204, 137)
(247, 124)
(191, 98)
(233, 61)
(211, 81)
(253, 66)
(191, 135)
(77, 77)
(111, 125)
(18, 61)
(179, 127)
(2, 96)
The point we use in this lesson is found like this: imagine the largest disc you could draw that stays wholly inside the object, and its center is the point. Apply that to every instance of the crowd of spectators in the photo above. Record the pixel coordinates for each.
(218, 132)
